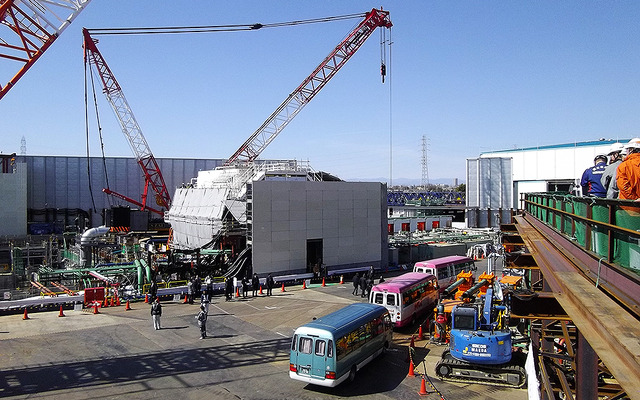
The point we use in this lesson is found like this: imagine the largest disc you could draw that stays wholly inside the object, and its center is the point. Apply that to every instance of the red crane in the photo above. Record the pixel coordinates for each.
(130, 128)
(32, 27)
(277, 121)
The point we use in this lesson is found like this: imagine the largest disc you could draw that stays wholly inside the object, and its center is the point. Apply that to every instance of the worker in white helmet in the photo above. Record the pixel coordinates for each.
(628, 172)
(608, 178)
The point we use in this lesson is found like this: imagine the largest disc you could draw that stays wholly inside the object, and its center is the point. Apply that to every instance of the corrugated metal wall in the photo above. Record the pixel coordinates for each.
(489, 191)
(63, 181)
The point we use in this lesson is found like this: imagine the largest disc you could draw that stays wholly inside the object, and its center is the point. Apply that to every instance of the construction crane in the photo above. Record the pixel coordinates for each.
(260, 139)
(240, 169)
(32, 27)
(130, 128)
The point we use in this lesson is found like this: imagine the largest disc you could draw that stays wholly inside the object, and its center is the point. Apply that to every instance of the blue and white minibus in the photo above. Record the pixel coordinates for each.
(333, 348)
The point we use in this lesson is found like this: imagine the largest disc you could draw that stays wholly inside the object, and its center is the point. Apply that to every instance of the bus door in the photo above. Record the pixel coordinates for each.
(321, 353)
(312, 356)
(389, 300)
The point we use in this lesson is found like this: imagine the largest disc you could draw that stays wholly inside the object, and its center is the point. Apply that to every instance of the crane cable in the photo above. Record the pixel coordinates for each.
(215, 28)
(86, 128)
(95, 103)
(99, 125)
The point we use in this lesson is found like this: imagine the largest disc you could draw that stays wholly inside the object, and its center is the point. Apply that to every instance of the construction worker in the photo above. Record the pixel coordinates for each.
(628, 172)
(255, 284)
(590, 181)
(202, 322)
(270, 284)
(608, 179)
(356, 284)
(156, 313)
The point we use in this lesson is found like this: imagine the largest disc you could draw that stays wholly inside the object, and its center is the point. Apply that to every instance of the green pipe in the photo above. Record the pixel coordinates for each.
(140, 275)
(147, 269)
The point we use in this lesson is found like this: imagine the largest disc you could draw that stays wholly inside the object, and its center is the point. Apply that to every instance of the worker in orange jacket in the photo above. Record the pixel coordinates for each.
(628, 172)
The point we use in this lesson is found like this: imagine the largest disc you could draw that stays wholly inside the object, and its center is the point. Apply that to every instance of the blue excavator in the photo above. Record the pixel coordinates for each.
(480, 346)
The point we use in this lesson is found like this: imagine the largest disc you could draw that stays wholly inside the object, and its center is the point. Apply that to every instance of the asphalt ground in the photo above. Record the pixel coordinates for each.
(118, 354)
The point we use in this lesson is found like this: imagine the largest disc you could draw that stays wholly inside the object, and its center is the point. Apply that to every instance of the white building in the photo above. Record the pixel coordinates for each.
(496, 180)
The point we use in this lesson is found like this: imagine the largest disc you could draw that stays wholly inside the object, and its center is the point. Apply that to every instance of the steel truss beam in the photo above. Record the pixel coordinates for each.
(31, 27)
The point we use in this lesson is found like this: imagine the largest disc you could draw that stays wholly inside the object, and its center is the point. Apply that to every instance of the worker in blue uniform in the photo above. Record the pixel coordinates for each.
(590, 182)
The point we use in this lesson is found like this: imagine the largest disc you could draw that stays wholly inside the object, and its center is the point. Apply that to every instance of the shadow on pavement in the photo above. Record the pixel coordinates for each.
(45, 378)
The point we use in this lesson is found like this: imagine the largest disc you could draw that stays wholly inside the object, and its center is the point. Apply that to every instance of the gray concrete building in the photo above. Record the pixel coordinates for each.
(298, 225)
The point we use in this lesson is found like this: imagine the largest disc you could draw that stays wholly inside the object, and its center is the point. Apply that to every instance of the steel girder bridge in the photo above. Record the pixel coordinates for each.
(583, 307)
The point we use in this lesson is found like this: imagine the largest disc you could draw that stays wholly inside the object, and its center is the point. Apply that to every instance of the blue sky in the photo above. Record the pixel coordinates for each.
(473, 76)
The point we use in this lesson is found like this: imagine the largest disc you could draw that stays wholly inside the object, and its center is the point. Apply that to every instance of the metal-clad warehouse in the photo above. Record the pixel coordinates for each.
(496, 180)
(59, 186)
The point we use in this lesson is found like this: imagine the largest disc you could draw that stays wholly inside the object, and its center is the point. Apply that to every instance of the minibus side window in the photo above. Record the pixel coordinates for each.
(293, 342)
(378, 298)
(305, 346)
(330, 349)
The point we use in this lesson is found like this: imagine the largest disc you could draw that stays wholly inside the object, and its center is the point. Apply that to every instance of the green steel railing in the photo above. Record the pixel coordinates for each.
(605, 227)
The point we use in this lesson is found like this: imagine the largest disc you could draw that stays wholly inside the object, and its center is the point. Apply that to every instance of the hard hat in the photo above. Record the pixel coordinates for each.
(633, 144)
(629, 146)
(615, 148)
(600, 157)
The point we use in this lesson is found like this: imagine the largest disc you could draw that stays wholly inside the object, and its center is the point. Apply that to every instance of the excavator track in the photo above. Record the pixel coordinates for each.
(511, 374)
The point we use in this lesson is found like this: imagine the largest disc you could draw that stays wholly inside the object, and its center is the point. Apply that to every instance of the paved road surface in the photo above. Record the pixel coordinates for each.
(118, 354)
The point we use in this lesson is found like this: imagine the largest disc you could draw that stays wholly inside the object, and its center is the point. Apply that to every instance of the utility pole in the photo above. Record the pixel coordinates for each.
(425, 161)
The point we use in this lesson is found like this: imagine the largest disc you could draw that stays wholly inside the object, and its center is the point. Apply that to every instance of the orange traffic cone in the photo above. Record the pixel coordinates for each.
(128, 307)
(282, 287)
(105, 303)
(95, 308)
(146, 298)
(113, 304)
(323, 282)
(412, 344)
(260, 289)
(237, 292)
(423, 388)
(304, 284)
(341, 280)
(186, 299)
(411, 374)
(118, 301)
(25, 316)
(61, 313)
(420, 333)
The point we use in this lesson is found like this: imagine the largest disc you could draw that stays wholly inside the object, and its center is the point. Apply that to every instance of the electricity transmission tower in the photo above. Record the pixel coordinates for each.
(425, 161)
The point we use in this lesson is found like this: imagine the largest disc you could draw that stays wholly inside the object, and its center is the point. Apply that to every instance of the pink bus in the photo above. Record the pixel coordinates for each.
(446, 269)
(406, 296)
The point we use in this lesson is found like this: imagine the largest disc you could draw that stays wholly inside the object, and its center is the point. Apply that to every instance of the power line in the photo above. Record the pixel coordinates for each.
(214, 28)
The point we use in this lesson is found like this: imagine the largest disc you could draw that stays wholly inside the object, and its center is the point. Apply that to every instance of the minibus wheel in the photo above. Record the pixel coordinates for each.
(352, 373)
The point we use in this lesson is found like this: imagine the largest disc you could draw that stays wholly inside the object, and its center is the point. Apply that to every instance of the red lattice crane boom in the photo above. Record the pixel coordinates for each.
(130, 128)
(276, 122)
(29, 29)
